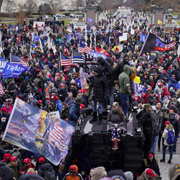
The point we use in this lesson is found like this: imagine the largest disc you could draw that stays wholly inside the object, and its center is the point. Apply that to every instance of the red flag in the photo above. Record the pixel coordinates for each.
(102, 51)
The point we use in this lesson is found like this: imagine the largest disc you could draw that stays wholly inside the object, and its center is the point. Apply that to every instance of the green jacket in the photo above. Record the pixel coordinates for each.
(14, 169)
(124, 81)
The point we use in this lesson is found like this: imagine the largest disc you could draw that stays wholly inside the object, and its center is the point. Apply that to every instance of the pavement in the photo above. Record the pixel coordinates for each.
(164, 167)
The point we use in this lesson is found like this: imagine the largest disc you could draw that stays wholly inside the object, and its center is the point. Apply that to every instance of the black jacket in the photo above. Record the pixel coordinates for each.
(100, 87)
(175, 124)
(4, 120)
(146, 123)
(146, 163)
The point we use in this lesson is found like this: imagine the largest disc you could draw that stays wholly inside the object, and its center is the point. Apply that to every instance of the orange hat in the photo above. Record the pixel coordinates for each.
(13, 158)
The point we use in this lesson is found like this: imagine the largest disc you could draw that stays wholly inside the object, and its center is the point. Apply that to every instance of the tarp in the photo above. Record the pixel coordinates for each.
(35, 130)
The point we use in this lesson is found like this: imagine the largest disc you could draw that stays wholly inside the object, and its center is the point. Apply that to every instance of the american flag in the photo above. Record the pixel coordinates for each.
(65, 60)
(57, 136)
(15, 59)
(84, 48)
(1, 89)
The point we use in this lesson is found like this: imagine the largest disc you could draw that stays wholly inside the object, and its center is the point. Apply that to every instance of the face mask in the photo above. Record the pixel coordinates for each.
(126, 61)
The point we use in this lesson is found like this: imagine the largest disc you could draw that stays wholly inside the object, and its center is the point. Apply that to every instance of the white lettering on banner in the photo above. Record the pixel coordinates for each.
(2, 64)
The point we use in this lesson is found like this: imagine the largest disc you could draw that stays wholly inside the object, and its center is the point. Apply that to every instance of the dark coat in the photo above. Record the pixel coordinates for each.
(74, 111)
(145, 122)
(99, 84)
(146, 163)
(175, 124)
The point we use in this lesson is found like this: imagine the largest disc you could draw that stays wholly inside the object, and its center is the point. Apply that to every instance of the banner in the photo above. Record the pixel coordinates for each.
(2, 64)
(36, 38)
(132, 31)
(90, 60)
(154, 43)
(39, 25)
(35, 130)
(84, 83)
(143, 37)
(90, 20)
(96, 55)
(13, 70)
(160, 22)
(123, 37)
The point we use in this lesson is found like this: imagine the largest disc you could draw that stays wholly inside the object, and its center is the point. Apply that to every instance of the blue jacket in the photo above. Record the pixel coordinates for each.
(172, 83)
(59, 106)
(74, 111)
(178, 85)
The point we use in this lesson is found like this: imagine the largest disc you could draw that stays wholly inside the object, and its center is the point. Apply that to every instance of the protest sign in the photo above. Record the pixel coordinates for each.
(96, 55)
(39, 25)
(55, 114)
(84, 83)
(35, 130)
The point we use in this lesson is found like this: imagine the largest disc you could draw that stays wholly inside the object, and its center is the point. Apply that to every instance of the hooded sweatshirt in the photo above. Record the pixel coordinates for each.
(124, 81)
(76, 176)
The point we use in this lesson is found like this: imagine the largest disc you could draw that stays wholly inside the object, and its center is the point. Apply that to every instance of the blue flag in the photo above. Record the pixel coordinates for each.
(36, 38)
(13, 70)
(78, 35)
(96, 55)
(143, 37)
(90, 20)
(2, 64)
(69, 37)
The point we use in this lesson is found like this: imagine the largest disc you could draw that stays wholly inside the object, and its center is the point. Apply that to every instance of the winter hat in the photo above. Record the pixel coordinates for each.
(147, 105)
(30, 177)
(117, 173)
(171, 113)
(129, 175)
(41, 160)
(98, 173)
(6, 173)
(100, 60)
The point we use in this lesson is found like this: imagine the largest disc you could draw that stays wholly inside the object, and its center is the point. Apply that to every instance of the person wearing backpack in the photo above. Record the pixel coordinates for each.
(117, 123)
(175, 123)
(45, 170)
(169, 139)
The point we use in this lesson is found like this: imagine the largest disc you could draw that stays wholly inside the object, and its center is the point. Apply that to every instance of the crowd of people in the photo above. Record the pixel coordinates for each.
(49, 86)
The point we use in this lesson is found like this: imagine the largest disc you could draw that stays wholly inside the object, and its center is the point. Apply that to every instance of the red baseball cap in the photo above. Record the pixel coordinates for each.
(150, 172)
(39, 101)
(41, 160)
(148, 89)
(13, 158)
(170, 67)
(27, 160)
(171, 111)
(37, 69)
(57, 98)
(67, 66)
(6, 156)
(150, 155)
(167, 122)
(155, 66)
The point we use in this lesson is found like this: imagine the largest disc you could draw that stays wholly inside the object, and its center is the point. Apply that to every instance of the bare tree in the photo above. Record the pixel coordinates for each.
(55, 5)
(31, 6)
(9, 6)
(20, 16)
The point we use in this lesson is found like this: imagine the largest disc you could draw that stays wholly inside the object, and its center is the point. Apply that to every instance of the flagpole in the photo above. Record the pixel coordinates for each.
(143, 46)
(60, 61)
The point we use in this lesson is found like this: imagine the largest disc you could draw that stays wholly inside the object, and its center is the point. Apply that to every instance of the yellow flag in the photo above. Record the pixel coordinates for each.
(137, 79)
(160, 22)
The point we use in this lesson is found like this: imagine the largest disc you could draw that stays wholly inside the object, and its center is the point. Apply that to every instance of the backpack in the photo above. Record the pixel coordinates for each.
(49, 174)
(65, 112)
(171, 137)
